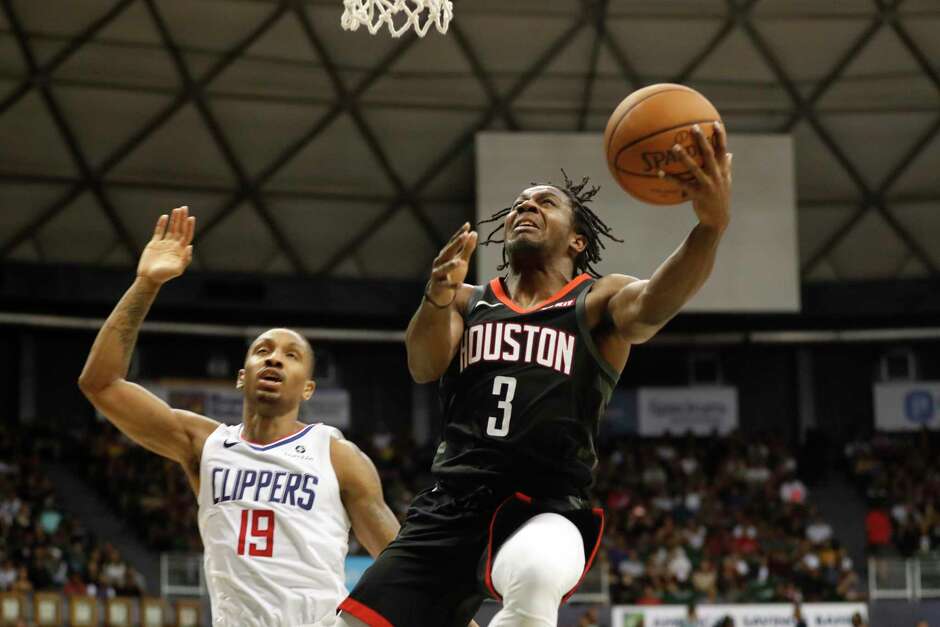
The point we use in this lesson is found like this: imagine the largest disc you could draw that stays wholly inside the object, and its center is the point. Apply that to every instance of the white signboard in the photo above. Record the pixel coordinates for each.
(762, 615)
(907, 406)
(221, 401)
(758, 264)
(677, 410)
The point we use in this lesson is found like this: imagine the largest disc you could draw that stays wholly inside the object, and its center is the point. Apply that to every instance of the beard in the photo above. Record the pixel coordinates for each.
(523, 251)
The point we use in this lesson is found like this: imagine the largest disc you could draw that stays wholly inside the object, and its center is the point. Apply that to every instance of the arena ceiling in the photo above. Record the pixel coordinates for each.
(306, 149)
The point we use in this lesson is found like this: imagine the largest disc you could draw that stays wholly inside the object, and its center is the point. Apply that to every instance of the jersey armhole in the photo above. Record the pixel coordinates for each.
(475, 296)
(581, 314)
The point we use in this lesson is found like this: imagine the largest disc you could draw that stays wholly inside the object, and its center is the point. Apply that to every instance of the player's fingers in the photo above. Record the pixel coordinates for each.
(690, 163)
(728, 158)
(160, 229)
(452, 249)
(171, 227)
(689, 189)
(188, 254)
(705, 149)
(190, 230)
(469, 246)
(463, 229)
(440, 271)
(721, 142)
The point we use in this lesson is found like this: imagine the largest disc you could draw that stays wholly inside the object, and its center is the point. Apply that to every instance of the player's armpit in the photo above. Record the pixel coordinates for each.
(617, 300)
(147, 420)
(361, 491)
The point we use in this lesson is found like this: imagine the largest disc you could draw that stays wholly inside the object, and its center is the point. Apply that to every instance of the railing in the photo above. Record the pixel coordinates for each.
(899, 578)
(181, 574)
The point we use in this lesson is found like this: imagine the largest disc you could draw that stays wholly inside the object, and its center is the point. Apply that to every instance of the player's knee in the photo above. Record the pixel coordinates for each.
(345, 620)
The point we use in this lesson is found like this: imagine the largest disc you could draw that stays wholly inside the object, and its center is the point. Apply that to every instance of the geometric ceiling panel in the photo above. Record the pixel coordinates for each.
(876, 142)
(921, 177)
(882, 75)
(45, 151)
(337, 160)
(20, 204)
(872, 251)
(398, 235)
(125, 112)
(427, 136)
(643, 42)
(265, 129)
(819, 175)
(303, 222)
(395, 141)
(922, 221)
(818, 223)
(180, 150)
(240, 243)
(823, 42)
(138, 209)
(737, 52)
(230, 21)
(57, 239)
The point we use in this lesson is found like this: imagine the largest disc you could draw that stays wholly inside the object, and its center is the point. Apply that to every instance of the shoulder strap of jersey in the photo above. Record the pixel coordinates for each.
(475, 296)
(588, 337)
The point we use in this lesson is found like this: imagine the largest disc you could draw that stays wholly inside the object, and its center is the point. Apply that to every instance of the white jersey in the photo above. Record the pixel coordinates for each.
(274, 529)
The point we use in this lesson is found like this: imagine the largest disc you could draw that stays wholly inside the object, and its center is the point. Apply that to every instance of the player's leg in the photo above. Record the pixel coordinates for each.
(535, 568)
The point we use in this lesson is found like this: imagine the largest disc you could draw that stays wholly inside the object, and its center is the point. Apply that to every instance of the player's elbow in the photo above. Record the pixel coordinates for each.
(420, 373)
(92, 385)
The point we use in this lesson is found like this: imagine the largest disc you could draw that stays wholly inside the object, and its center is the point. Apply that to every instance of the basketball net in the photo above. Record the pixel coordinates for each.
(398, 15)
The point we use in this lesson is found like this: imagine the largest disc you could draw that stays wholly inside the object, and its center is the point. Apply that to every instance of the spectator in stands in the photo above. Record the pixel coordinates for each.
(798, 620)
(22, 583)
(818, 531)
(649, 597)
(7, 574)
(589, 618)
(793, 490)
(878, 530)
(858, 621)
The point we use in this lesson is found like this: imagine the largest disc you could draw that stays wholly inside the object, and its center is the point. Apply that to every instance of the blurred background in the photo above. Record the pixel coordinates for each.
(755, 452)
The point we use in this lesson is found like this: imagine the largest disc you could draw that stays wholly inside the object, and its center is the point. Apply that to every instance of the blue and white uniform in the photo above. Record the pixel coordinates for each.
(274, 528)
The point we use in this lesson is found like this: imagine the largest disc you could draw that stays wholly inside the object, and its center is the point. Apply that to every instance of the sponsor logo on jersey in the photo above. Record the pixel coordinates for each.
(228, 444)
(263, 486)
(560, 305)
(513, 342)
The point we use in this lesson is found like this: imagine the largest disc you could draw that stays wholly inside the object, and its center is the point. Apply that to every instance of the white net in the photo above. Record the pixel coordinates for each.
(398, 15)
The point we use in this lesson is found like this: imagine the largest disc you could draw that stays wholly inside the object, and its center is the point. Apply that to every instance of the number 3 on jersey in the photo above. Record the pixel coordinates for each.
(499, 427)
(260, 532)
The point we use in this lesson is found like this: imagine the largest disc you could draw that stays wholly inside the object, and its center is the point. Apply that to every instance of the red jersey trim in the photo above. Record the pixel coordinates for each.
(364, 613)
(599, 513)
(497, 286)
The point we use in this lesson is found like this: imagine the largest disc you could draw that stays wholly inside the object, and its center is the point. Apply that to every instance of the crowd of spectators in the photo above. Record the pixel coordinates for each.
(900, 480)
(716, 520)
(688, 519)
(43, 548)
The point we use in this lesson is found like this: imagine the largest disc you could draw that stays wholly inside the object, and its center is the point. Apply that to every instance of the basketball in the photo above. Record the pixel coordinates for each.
(642, 131)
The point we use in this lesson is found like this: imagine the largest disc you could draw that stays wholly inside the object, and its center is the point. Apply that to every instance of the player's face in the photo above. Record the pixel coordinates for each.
(541, 218)
(277, 370)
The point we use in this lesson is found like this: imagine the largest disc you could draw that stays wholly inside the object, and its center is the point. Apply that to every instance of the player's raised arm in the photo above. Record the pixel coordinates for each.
(140, 415)
(434, 332)
(641, 308)
(361, 490)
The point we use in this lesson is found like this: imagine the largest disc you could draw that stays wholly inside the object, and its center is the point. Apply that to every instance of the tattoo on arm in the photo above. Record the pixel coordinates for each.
(128, 326)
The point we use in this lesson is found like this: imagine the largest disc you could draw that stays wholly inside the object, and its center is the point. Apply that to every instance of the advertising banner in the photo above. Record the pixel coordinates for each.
(222, 402)
(907, 405)
(756, 615)
(677, 410)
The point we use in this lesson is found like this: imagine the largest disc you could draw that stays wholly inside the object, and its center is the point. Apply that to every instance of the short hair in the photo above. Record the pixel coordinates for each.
(306, 343)
(586, 223)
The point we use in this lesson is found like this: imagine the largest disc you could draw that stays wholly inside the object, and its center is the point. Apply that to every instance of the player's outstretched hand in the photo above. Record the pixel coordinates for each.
(451, 265)
(170, 250)
(709, 187)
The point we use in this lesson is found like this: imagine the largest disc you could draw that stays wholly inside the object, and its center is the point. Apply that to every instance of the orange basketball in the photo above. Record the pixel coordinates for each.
(642, 131)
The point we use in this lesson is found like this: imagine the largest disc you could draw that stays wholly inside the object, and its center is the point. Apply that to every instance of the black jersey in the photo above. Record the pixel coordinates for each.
(523, 395)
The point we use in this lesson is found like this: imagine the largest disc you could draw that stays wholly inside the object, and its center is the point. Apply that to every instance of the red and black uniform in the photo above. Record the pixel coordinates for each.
(522, 399)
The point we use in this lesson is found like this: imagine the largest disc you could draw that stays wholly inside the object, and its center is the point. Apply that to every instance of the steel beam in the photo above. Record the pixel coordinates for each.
(476, 66)
(599, 11)
(67, 134)
(157, 121)
(63, 55)
(221, 141)
(462, 143)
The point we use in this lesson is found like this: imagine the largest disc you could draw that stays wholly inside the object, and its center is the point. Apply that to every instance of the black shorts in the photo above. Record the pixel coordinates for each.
(436, 573)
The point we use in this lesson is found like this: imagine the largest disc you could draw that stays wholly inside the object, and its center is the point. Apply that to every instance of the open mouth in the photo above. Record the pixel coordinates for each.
(524, 226)
(270, 379)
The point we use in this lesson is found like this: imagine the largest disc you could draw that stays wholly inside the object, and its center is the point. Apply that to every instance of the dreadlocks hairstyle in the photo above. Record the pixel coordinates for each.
(586, 223)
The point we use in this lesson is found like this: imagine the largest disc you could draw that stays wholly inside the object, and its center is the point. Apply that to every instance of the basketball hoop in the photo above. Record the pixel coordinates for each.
(398, 15)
